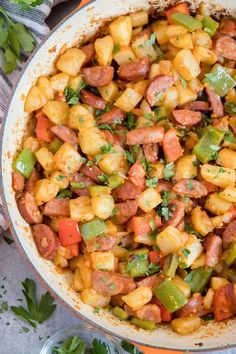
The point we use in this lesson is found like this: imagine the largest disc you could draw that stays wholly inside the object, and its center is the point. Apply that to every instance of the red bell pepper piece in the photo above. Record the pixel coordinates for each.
(182, 7)
(43, 127)
(154, 257)
(166, 316)
(74, 249)
(69, 233)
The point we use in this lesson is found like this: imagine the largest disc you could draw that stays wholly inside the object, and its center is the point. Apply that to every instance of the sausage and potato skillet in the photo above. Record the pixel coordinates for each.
(128, 173)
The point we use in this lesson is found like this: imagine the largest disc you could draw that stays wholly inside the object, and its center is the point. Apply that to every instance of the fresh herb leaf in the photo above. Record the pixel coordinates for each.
(183, 82)
(99, 347)
(89, 163)
(190, 230)
(72, 345)
(99, 112)
(152, 224)
(153, 268)
(77, 185)
(114, 211)
(169, 170)
(106, 127)
(130, 121)
(164, 212)
(189, 185)
(60, 177)
(3, 307)
(165, 198)
(96, 309)
(106, 149)
(103, 178)
(73, 96)
(152, 182)
(129, 157)
(25, 329)
(186, 252)
(130, 348)
(27, 4)
(230, 108)
(64, 193)
(97, 158)
(229, 136)
(116, 48)
(151, 40)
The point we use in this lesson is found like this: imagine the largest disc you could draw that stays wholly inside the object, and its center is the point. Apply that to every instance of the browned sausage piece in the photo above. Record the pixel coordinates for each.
(225, 46)
(200, 106)
(151, 281)
(215, 102)
(80, 178)
(213, 247)
(57, 207)
(149, 312)
(159, 83)
(125, 211)
(164, 186)
(100, 243)
(151, 152)
(65, 134)
(18, 181)
(145, 135)
(92, 100)
(135, 70)
(92, 172)
(46, 240)
(29, 209)
(176, 208)
(109, 283)
(98, 76)
(186, 118)
(146, 31)
(127, 191)
(31, 181)
(114, 115)
(228, 27)
(90, 52)
(193, 306)
(190, 188)
(229, 234)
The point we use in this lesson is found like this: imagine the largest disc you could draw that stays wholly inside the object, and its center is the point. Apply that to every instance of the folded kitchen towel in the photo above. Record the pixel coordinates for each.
(34, 20)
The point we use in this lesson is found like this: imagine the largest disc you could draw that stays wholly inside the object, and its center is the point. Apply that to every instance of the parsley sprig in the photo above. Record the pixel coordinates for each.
(73, 96)
(27, 4)
(76, 345)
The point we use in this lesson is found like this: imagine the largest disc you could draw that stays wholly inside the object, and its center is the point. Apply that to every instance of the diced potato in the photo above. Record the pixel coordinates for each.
(138, 297)
(199, 262)
(170, 240)
(119, 252)
(81, 209)
(186, 65)
(111, 229)
(229, 194)
(136, 31)
(219, 176)
(78, 284)
(92, 298)
(44, 86)
(103, 205)
(217, 205)
(172, 52)
(121, 30)
(157, 170)
(186, 325)
(124, 55)
(139, 18)
(142, 122)
(60, 179)
(82, 278)
(67, 159)
(205, 55)
(145, 239)
(109, 92)
(71, 61)
(185, 95)
(185, 167)
(80, 118)
(140, 86)
(45, 190)
(141, 49)
(154, 70)
(31, 143)
(192, 140)
(160, 29)
(231, 96)
(182, 285)
(170, 98)
(182, 41)
(227, 158)
(59, 82)
(149, 199)
(195, 248)
(208, 299)
(128, 100)
(104, 47)
(34, 100)
(91, 140)
(45, 158)
(80, 261)
(201, 38)
(218, 282)
(175, 30)
(104, 261)
(75, 82)
(114, 162)
(201, 221)
(56, 111)
(195, 85)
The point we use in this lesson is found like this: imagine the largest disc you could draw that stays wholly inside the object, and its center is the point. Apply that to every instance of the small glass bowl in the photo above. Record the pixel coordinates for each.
(87, 333)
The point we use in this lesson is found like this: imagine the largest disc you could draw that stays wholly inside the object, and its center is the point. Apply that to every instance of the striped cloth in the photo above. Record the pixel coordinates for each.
(34, 20)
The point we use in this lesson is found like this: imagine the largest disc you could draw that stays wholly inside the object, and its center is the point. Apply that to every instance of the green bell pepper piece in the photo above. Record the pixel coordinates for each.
(170, 296)
(97, 190)
(171, 265)
(209, 25)
(187, 21)
(92, 229)
(220, 80)
(55, 145)
(25, 162)
(120, 313)
(137, 264)
(148, 325)
(115, 180)
(198, 279)
(211, 137)
(231, 254)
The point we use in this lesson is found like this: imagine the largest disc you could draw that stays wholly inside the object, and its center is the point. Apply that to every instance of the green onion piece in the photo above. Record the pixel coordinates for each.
(115, 180)
(220, 80)
(120, 313)
(231, 254)
(138, 264)
(55, 145)
(211, 137)
(77, 185)
(198, 279)
(64, 193)
(187, 21)
(25, 162)
(92, 229)
(170, 296)
(171, 265)
(209, 25)
(148, 325)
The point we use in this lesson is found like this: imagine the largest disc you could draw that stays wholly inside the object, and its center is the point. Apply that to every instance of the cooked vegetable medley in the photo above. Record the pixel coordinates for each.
(128, 175)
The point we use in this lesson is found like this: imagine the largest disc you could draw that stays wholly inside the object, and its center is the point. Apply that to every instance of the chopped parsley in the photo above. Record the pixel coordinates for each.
(96, 309)
(152, 182)
(116, 48)
(105, 127)
(103, 178)
(189, 185)
(186, 252)
(183, 82)
(64, 193)
(152, 224)
(99, 112)
(130, 348)
(151, 40)
(129, 156)
(230, 108)
(106, 149)
(130, 121)
(73, 96)
(169, 170)
(190, 230)
(164, 212)
(60, 177)
(77, 185)
(153, 268)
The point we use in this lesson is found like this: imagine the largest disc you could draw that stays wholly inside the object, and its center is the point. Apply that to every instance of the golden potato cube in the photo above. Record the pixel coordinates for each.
(114, 162)
(217, 205)
(104, 261)
(128, 100)
(194, 247)
(103, 205)
(81, 209)
(183, 287)
(45, 190)
(45, 158)
(59, 178)
(80, 118)
(75, 82)
(59, 82)
(141, 48)
(205, 55)
(149, 199)
(109, 92)
(71, 61)
(201, 221)
(195, 85)
(138, 297)
(227, 158)
(145, 239)
(175, 30)
(218, 282)
(92, 298)
(67, 159)
(185, 95)
(170, 240)
(170, 98)
(104, 47)
(182, 41)
(140, 86)
(56, 111)
(157, 170)
(31, 143)
(202, 39)
(44, 86)
(78, 283)
(186, 64)
(121, 30)
(208, 299)
(199, 262)
(34, 100)
(220, 176)
(186, 325)
(154, 70)
(185, 168)
(229, 194)
(91, 140)
(160, 30)
(139, 18)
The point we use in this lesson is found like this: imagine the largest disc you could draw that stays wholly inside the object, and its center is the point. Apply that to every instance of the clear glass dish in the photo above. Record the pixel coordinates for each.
(87, 333)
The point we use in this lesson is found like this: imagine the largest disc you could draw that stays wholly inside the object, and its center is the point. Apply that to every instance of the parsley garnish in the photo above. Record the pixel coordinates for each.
(153, 268)
(230, 108)
(189, 230)
(183, 82)
(96, 309)
(169, 170)
(103, 178)
(73, 96)
(27, 4)
(164, 212)
(129, 157)
(152, 224)
(60, 177)
(151, 40)
(106, 127)
(77, 185)
(35, 312)
(116, 48)
(71, 345)
(229, 136)
(114, 211)
(99, 112)
(130, 348)
(189, 185)
(106, 149)
(130, 121)
(186, 252)
(64, 193)
(152, 182)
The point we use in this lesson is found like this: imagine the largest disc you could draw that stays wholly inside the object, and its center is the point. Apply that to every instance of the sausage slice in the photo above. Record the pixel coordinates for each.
(190, 188)
(92, 100)
(135, 70)
(92, 172)
(125, 211)
(65, 134)
(186, 117)
(200, 106)
(171, 146)
(229, 234)
(127, 191)
(228, 27)
(109, 283)
(145, 135)
(29, 209)
(31, 181)
(57, 207)
(46, 241)
(159, 83)
(151, 152)
(112, 116)
(98, 76)
(18, 181)
(225, 46)
(213, 246)
(215, 102)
